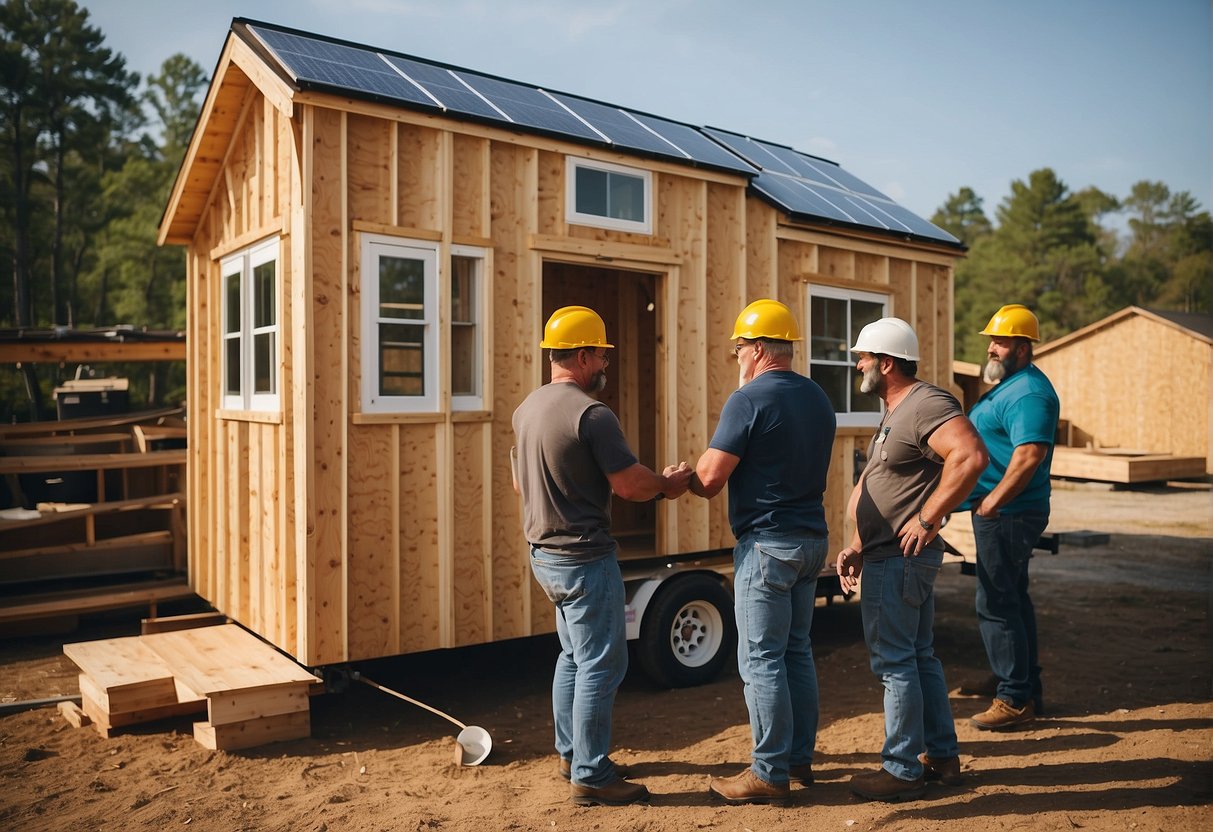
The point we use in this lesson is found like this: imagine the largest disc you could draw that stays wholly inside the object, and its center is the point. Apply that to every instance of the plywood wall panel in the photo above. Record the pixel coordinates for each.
(762, 254)
(420, 605)
(327, 494)
(550, 193)
(374, 609)
(517, 326)
(469, 486)
(417, 164)
(369, 189)
(470, 193)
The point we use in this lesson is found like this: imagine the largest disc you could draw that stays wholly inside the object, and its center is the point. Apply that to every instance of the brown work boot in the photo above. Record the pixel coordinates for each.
(945, 769)
(616, 793)
(1002, 715)
(881, 785)
(748, 787)
(801, 774)
(565, 769)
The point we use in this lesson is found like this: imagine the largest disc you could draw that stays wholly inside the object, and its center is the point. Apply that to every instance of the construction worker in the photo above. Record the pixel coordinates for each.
(1018, 422)
(772, 446)
(922, 461)
(570, 456)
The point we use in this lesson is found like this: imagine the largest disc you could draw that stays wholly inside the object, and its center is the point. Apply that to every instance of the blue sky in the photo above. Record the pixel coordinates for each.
(919, 98)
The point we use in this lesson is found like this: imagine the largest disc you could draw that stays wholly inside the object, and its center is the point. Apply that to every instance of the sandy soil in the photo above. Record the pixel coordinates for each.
(1127, 743)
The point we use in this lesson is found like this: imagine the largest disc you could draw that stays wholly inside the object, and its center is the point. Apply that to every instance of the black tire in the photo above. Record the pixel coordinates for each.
(688, 632)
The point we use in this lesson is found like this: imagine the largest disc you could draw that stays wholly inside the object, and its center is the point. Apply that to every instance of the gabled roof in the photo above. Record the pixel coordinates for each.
(1198, 326)
(807, 188)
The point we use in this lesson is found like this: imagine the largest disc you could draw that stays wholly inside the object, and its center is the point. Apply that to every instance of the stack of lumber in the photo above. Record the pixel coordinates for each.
(93, 499)
(251, 693)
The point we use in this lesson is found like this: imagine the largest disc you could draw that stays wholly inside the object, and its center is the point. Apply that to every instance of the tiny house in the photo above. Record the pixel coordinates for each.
(374, 243)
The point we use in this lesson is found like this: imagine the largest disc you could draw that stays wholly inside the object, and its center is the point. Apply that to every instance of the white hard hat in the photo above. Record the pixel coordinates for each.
(888, 336)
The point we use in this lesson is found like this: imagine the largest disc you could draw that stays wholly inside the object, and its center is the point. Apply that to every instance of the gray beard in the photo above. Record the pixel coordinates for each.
(995, 371)
(599, 383)
(871, 380)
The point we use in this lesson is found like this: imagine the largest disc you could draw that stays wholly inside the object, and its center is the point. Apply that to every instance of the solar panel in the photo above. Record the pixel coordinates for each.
(445, 87)
(799, 184)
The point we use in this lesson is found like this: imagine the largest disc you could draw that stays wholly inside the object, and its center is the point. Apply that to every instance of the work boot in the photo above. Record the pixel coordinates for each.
(748, 787)
(565, 769)
(801, 774)
(1002, 715)
(945, 769)
(881, 785)
(616, 793)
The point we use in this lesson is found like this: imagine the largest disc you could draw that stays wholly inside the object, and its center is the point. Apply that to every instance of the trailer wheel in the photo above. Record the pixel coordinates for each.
(688, 632)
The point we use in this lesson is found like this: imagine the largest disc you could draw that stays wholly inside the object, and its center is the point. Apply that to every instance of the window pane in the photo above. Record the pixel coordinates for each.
(627, 197)
(231, 366)
(592, 192)
(463, 289)
(463, 360)
(401, 360)
(864, 312)
(263, 362)
(828, 321)
(264, 295)
(231, 291)
(401, 287)
(834, 381)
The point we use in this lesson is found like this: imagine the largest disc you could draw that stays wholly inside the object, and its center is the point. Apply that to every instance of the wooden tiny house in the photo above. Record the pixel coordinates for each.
(375, 242)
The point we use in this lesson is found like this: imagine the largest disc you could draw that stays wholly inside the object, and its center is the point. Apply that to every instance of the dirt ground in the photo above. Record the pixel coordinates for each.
(1127, 743)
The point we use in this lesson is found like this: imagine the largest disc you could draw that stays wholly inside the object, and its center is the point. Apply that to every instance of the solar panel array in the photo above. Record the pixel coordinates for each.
(802, 185)
(811, 187)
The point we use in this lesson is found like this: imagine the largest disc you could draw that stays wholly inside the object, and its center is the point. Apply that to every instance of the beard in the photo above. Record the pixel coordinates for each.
(599, 382)
(871, 381)
(996, 370)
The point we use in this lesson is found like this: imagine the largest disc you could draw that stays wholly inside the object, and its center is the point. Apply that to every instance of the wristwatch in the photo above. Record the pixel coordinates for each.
(925, 525)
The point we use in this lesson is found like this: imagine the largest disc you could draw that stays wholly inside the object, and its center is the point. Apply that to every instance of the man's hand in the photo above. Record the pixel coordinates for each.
(987, 509)
(679, 477)
(914, 537)
(848, 566)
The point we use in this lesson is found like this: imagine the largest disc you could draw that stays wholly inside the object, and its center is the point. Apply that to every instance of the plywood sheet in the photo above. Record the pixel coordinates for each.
(221, 659)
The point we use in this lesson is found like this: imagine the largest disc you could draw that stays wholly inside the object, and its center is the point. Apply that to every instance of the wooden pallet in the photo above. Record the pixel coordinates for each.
(1124, 466)
(252, 694)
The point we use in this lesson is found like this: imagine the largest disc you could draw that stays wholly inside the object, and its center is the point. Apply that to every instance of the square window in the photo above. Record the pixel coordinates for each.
(606, 195)
(835, 318)
(250, 328)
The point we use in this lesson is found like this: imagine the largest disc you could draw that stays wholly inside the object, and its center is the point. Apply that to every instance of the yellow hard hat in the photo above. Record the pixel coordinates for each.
(1014, 321)
(573, 327)
(766, 318)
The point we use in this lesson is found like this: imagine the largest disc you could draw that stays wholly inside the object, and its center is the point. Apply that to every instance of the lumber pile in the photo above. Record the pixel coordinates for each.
(251, 694)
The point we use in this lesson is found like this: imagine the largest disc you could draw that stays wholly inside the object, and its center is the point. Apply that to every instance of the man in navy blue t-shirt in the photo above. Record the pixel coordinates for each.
(773, 447)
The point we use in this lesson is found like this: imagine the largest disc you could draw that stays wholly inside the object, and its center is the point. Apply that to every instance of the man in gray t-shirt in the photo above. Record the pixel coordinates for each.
(570, 456)
(923, 460)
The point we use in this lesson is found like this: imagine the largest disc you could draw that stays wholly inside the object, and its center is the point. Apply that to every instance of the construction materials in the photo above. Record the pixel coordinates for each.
(473, 743)
(252, 694)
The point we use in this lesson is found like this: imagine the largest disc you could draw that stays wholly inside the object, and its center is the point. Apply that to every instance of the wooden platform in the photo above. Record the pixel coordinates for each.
(251, 693)
(1124, 466)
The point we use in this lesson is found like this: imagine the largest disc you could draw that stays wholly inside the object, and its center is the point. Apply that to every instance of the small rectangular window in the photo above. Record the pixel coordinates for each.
(250, 328)
(605, 195)
(835, 318)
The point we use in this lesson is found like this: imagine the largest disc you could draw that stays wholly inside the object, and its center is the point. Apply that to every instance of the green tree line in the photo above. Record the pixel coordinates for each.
(1060, 253)
(89, 151)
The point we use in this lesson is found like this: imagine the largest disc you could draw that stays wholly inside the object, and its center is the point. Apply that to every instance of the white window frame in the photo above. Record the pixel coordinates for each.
(479, 315)
(243, 263)
(373, 247)
(574, 217)
(847, 418)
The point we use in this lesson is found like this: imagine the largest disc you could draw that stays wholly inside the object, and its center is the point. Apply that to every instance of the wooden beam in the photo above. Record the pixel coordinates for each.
(90, 352)
(89, 462)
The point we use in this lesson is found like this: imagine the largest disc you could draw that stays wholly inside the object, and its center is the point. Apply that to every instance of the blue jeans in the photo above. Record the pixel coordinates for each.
(775, 586)
(593, 657)
(1005, 614)
(897, 600)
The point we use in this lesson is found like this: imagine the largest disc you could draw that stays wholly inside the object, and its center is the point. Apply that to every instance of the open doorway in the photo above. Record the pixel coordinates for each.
(627, 302)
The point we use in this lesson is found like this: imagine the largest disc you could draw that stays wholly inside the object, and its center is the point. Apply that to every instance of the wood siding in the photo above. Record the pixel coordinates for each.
(339, 535)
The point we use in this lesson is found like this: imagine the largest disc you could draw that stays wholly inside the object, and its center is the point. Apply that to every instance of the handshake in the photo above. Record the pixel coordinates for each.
(677, 480)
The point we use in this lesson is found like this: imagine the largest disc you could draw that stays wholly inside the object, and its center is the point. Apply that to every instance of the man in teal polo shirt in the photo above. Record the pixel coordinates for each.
(1017, 420)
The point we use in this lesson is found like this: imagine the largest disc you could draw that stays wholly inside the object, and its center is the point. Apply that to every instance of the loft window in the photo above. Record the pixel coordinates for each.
(835, 318)
(250, 328)
(609, 196)
(401, 370)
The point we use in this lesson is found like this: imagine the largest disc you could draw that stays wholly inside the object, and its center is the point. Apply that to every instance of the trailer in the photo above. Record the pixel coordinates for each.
(374, 242)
